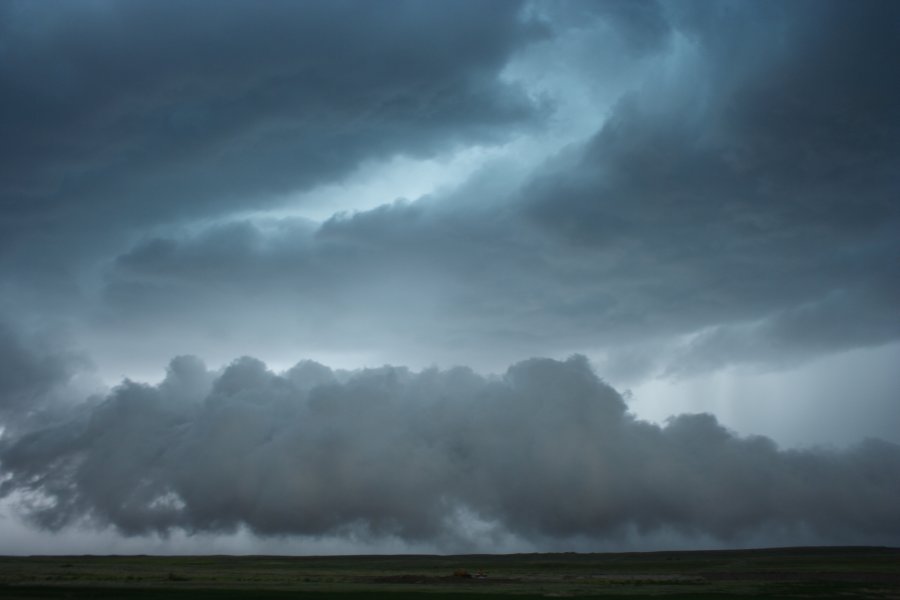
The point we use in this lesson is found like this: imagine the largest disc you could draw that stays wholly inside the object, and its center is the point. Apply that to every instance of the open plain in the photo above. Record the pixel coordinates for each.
(768, 573)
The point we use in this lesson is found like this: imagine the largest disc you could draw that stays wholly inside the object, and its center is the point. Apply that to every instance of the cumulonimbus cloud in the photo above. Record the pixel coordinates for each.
(547, 451)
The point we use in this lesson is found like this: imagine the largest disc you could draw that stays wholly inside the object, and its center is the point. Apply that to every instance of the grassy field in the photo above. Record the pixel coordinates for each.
(771, 573)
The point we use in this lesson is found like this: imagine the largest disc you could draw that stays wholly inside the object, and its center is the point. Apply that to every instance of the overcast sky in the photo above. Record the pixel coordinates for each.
(351, 276)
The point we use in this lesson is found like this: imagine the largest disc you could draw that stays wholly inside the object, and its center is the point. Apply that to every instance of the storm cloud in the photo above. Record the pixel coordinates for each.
(669, 191)
(749, 219)
(547, 451)
(147, 112)
(39, 377)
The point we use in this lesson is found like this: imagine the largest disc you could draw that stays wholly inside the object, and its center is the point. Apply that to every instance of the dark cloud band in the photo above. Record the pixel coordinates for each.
(546, 452)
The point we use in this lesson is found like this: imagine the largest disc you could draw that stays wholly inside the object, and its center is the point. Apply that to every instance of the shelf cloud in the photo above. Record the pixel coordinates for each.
(546, 451)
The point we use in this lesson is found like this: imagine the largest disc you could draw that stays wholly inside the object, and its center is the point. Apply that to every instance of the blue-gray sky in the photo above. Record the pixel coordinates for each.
(636, 265)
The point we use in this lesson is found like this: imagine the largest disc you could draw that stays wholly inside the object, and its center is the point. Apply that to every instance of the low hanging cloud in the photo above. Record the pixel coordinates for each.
(38, 374)
(545, 452)
(26, 373)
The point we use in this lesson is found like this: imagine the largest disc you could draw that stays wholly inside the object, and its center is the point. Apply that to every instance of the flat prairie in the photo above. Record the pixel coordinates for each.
(846, 572)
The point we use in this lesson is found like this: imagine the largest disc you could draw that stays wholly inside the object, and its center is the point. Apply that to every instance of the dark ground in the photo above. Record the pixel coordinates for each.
(772, 573)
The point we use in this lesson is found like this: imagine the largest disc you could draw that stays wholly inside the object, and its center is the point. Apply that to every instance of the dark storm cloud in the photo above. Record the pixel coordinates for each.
(762, 187)
(415, 275)
(857, 318)
(545, 452)
(123, 115)
(31, 368)
(642, 24)
(740, 207)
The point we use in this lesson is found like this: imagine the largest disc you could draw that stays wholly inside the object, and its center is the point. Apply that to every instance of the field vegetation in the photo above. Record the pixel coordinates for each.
(769, 573)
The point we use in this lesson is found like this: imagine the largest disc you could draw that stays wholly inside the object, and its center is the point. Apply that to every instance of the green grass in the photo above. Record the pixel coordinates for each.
(773, 573)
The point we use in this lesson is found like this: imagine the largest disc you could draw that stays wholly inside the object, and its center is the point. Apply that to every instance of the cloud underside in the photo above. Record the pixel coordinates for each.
(738, 208)
(547, 452)
(735, 206)
(151, 113)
